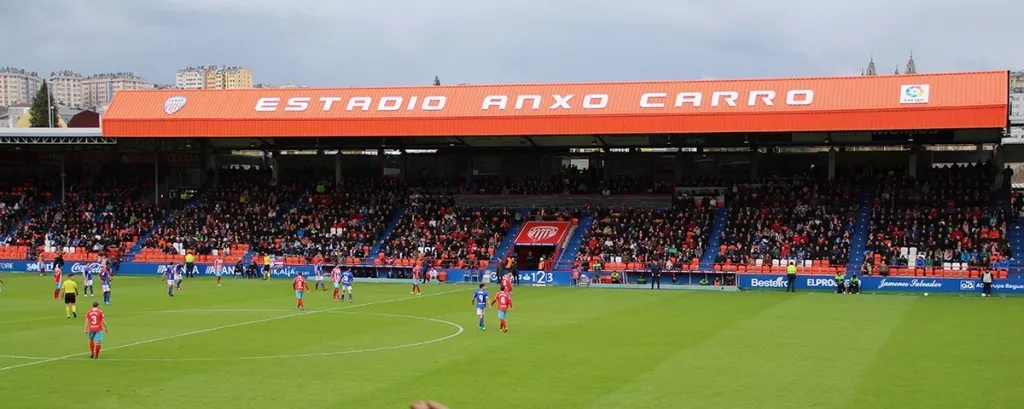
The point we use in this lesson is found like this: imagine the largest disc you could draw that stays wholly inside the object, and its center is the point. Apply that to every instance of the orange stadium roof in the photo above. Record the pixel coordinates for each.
(970, 100)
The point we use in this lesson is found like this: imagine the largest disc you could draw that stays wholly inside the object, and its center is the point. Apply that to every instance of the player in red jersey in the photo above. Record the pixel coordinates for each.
(506, 282)
(56, 281)
(95, 326)
(416, 281)
(336, 279)
(504, 300)
(300, 286)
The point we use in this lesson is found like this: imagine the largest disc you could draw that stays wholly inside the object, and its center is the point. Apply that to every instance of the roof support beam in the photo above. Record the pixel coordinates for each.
(56, 140)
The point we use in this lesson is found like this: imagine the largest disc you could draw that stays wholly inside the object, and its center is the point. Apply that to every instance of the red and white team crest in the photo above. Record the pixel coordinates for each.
(541, 233)
(174, 104)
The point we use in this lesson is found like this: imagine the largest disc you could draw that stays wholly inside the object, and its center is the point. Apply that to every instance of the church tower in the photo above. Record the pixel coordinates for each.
(871, 67)
(911, 67)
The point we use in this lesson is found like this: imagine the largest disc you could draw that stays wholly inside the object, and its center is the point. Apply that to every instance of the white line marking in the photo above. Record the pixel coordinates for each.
(122, 314)
(203, 331)
(24, 357)
(459, 330)
(222, 310)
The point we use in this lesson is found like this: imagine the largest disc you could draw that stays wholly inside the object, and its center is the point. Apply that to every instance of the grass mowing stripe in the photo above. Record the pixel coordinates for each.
(202, 331)
(809, 340)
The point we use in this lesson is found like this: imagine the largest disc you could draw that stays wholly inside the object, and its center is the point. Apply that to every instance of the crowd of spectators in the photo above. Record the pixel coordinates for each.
(339, 220)
(19, 194)
(794, 219)
(101, 213)
(646, 235)
(569, 180)
(433, 227)
(242, 210)
(947, 215)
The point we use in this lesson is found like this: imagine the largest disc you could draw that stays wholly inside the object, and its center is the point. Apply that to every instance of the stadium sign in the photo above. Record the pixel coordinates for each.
(80, 268)
(542, 233)
(881, 284)
(974, 100)
(537, 102)
(903, 283)
(357, 103)
(454, 275)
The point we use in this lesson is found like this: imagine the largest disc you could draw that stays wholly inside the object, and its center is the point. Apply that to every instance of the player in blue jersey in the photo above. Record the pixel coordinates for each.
(318, 274)
(88, 290)
(179, 275)
(169, 276)
(480, 300)
(105, 284)
(346, 285)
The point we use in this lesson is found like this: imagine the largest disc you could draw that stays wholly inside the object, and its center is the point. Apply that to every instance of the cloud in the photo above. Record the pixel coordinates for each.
(347, 42)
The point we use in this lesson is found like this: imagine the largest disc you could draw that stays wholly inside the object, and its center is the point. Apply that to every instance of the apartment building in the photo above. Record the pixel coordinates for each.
(66, 88)
(18, 86)
(192, 77)
(99, 89)
(214, 77)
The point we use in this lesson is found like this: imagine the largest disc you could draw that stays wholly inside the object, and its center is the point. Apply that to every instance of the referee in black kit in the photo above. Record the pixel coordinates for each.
(655, 274)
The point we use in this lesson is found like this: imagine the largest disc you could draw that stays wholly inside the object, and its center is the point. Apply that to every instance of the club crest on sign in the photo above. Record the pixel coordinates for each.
(174, 104)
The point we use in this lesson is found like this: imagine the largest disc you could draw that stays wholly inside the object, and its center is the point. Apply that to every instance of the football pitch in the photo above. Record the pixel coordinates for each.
(243, 345)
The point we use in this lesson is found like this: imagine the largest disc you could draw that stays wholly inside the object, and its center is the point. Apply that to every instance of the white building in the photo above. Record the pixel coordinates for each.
(192, 77)
(100, 88)
(1017, 97)
(14, 114)
(18, 86)
(66, 88)
(214, 77)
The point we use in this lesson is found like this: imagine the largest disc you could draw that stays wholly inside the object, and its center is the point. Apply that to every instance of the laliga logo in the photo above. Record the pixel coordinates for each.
(174, 104)
(285, 271)
(914, 91)
(542, 233)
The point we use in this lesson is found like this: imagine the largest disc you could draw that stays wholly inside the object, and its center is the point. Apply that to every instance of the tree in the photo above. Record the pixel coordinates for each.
(437, 81)
(40, 119)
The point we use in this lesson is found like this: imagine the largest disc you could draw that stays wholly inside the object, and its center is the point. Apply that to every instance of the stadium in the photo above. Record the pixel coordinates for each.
(710, 196)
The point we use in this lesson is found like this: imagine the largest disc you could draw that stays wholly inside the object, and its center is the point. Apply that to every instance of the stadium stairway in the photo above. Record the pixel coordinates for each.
(375, 250)
(1015, 236)
(134, 251)
(567, 257)
(707, 260)
(861, 229)
(506, 243)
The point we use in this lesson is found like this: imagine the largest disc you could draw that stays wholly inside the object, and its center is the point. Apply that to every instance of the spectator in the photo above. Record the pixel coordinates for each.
(799, 219)
(943, 217)
(433, 227)
(645, 235)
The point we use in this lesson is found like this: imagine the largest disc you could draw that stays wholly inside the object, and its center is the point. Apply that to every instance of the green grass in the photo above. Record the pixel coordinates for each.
(567, 348)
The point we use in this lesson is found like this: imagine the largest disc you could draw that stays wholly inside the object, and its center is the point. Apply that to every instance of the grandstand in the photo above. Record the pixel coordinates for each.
(650, 176)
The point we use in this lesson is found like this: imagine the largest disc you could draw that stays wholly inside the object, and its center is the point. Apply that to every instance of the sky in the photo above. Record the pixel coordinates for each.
(407, 42)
